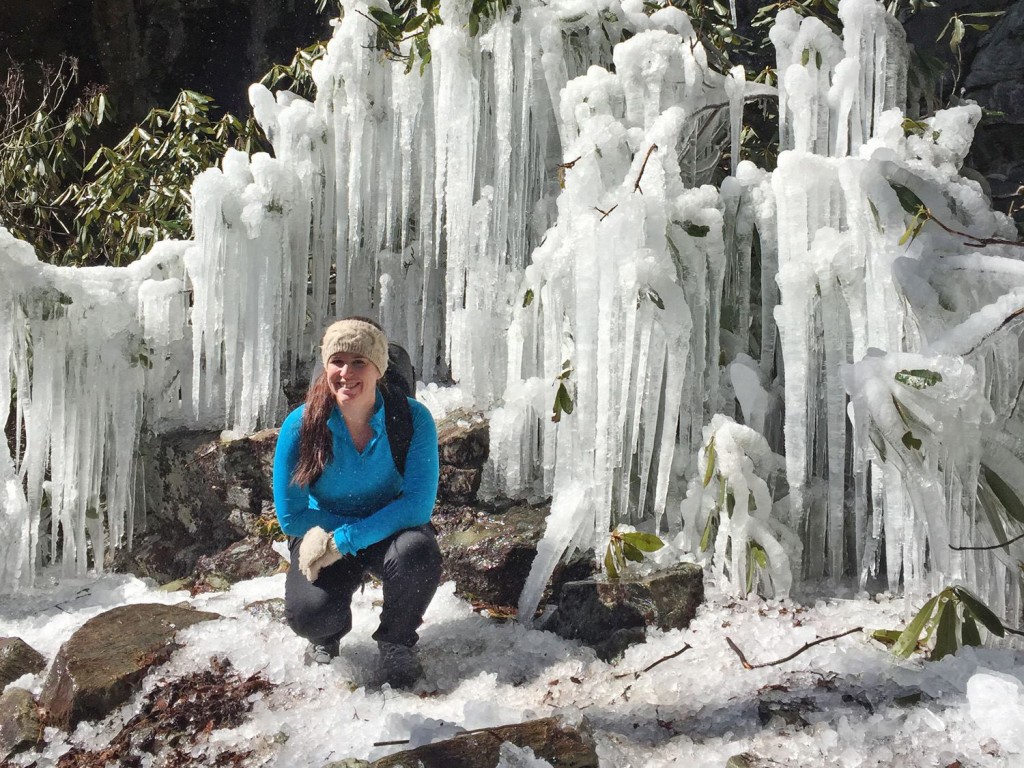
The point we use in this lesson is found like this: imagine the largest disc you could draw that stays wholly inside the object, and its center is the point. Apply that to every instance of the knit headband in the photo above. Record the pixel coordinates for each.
(357, 337)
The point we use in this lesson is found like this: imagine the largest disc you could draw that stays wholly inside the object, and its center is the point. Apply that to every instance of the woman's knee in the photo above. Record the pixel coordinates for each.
(414, 551)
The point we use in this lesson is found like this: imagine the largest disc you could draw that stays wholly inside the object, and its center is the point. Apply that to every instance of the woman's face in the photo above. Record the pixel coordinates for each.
(353, 380)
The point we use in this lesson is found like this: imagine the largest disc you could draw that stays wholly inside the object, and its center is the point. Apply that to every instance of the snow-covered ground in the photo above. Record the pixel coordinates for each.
(696, 709)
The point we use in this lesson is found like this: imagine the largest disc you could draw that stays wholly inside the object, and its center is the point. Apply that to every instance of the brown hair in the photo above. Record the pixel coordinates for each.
(315, 448)
(315, 443)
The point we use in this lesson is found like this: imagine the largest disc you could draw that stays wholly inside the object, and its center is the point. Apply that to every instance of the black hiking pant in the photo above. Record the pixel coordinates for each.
(409, 565)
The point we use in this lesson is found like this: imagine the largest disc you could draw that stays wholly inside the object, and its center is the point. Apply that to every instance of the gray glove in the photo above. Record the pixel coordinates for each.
(317, 551)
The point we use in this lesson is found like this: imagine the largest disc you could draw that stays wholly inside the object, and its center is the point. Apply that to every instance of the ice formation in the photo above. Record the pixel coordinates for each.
(533, 216)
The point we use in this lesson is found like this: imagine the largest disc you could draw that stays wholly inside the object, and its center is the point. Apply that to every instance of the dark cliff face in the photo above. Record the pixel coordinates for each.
(146, 51)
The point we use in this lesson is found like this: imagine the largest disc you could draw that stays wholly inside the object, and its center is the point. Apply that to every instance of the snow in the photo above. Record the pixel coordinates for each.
(865, 707)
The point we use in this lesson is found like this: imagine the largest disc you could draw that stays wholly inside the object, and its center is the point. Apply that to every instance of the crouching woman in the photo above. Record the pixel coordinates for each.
(350, 510)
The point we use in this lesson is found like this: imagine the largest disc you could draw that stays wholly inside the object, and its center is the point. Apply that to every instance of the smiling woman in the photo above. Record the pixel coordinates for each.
(349, 508)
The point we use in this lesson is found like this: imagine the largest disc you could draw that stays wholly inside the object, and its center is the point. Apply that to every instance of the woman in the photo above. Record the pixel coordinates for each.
(348, 508)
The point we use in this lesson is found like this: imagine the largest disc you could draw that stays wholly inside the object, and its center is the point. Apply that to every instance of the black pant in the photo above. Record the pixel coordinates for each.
(409, 565)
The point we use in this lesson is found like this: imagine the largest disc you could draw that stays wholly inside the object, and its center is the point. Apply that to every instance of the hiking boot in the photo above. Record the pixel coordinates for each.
(321, 653)
(399, 664)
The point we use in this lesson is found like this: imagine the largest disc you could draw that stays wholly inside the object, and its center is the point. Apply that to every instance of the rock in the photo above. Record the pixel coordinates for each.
(488, 554)
(18, 658)
(750, 760)
(611, 615)
(246, 559)
(463, 439)
(20, 725)
(202, 494)
(550, 739)
(272, 608)
(102, 664)
(458, 486)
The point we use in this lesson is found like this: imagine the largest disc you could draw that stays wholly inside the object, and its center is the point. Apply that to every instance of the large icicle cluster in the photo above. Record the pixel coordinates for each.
(531, 217)
(76, 350)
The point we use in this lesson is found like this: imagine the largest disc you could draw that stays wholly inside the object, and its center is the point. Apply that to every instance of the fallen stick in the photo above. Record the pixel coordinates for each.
(747, 665)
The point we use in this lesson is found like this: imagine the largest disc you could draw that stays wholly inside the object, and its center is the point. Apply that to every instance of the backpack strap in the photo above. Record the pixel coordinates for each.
(398, 422)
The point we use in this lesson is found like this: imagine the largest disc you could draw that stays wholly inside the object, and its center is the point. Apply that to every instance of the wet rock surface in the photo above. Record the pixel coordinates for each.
(20, 725)
(18, 658)
(611, 615)
(104, 661)
(550, 739)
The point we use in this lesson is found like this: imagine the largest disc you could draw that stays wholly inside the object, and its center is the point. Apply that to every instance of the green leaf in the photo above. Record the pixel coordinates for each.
(709, 472)
(609, 564)
(910, 202)
(980, 611)
(918, 378)
(957, 35)
(875, 216)
(910, 441)
(969, 634)
(566, 400)
(887, 637)
(632, 553)
(906, 643)
(695, 230)
(805, 56)
(1007, 496)
(646, 542)
(528, 298)
(945, 637)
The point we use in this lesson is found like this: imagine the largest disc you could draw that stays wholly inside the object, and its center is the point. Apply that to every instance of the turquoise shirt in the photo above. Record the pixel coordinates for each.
(360, 495)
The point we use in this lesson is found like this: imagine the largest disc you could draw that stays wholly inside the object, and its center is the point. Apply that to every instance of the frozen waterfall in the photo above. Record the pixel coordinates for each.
(537, 216)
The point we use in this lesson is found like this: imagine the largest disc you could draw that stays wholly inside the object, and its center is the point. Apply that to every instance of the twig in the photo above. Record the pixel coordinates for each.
(649, 667)
(1013, 631)
(570, 164)
(747, 665)
(643, 167)
(979, 242)
(605, 214)
(988, 547)
(1009, 318)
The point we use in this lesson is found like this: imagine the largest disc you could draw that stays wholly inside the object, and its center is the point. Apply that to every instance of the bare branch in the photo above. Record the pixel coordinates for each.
(649, 667)
(747, 665)
(643, 167)
(605, 214)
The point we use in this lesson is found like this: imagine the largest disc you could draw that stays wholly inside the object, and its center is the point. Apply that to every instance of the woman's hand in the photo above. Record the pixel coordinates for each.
(317, 551)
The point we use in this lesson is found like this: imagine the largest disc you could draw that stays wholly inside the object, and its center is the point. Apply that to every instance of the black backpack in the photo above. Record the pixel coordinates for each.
(397, 384)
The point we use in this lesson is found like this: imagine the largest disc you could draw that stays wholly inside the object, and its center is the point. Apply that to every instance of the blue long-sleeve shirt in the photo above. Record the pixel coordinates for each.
(360, 495)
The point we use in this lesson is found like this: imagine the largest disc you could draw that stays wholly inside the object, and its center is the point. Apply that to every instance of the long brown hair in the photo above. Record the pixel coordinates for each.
(315, 442)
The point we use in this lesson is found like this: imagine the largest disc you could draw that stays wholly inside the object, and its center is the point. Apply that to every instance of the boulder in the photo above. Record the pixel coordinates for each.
(610, 615)
(488, 554)
(18, 658)
(201, 495)
(550, 739)
(105, 660)
(20, 725)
